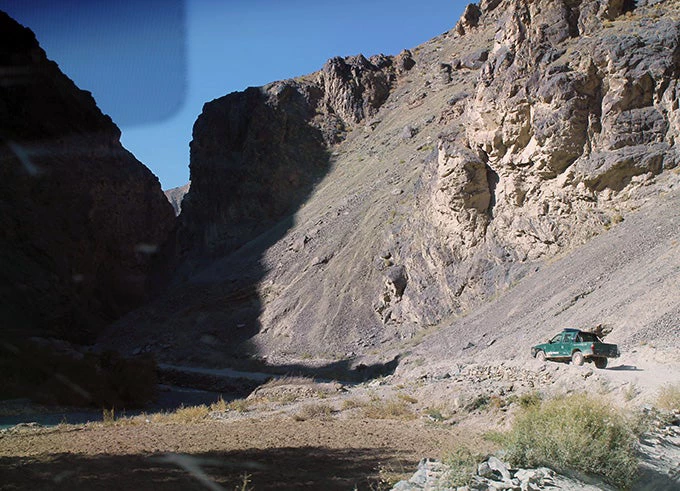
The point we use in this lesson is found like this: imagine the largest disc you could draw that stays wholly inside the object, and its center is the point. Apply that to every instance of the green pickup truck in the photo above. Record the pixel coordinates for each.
(577, 346)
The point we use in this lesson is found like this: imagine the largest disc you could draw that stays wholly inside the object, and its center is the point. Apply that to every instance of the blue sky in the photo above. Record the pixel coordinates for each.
(152, 64)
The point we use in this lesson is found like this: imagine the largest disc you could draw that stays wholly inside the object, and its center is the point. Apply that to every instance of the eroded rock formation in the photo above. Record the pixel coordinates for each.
(349, 209)
(574, 109)
(80, 217)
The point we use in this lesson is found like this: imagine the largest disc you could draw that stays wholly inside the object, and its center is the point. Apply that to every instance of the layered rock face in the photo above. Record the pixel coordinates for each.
(345, 211)
(573, 112)
(569, 110)
(80, 217)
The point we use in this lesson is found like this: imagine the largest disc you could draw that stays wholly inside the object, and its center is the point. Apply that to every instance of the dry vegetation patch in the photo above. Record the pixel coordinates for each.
(669, 397)
(392, 408)
(318, 411)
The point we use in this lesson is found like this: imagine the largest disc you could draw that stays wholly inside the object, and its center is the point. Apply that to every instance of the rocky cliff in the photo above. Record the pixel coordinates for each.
(80, 217)
(256, 155)
(350, 209)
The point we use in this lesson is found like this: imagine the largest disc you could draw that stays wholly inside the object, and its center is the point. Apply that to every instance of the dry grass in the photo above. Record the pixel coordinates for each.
(288, 380)
(388, 409)
(183, 415)
(669, 397)
(463, 463)
(239, 405)
(407, 398)
(352, 404)
(193, 414)
(108, 416)
(314, 411)
(390, 475)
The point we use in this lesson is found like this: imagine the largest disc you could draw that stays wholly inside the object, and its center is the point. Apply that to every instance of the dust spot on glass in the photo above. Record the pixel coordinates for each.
(25, 160)
(73, 386)
(146, 248)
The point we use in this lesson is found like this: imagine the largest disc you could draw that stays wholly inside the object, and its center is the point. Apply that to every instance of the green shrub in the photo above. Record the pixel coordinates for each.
(575, 432)
(530, 399)
(478, 403)
(435, 414)
(463, 463)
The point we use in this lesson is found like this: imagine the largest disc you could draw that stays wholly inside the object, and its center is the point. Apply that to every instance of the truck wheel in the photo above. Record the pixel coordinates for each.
(577, 358)
(540, 356)
(601, 362)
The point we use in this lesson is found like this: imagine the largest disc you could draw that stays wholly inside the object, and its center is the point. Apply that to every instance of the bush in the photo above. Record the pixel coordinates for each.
(575, 432)
(532, 399)
(478, 403)
(669, 397)
(463, 463)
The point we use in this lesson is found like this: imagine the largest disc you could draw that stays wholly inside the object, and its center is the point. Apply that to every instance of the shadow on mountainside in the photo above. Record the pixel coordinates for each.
(295, 468)
(255, 160)
(241, 383)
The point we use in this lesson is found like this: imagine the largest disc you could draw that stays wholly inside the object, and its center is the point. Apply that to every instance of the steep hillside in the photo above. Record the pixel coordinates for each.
(80, 217)
(344, 212)
(626, 279)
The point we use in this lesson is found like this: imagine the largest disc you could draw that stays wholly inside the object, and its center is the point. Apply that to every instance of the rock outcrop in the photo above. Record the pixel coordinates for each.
(345, 211)
(573, 111)
(256, 155)
(176, 196)
(80, 216)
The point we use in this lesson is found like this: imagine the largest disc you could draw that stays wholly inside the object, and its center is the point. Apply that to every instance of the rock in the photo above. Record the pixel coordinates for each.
(444, 73)
(396, 280)
(469, 19)
(568, 120)
(299, 243)
(484, 470)
(495, 464)
(475, 60)
(81, 218)
(354, 87)
(176, 196)
(403, 62)
(408, 132)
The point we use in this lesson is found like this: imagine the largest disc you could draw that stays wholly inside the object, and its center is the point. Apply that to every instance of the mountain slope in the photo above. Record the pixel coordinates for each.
(80, 216)
(344, 212)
